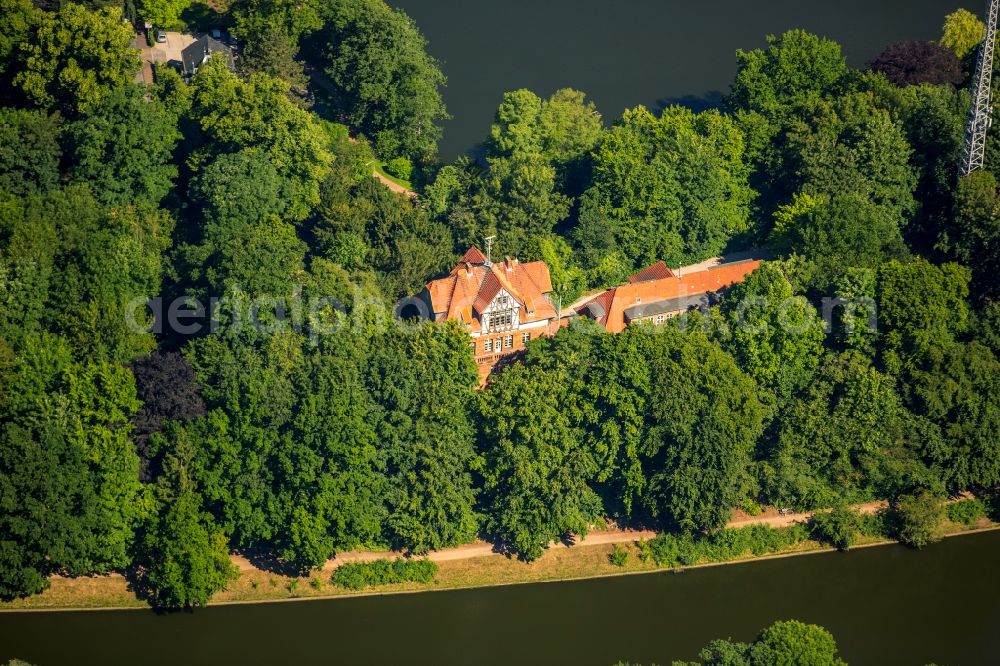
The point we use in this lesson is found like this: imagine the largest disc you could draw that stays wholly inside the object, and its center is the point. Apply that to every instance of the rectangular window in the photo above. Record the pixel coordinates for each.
(497, 345)
(525, 338)
(659, 319)
(508, 342)
(488, 345)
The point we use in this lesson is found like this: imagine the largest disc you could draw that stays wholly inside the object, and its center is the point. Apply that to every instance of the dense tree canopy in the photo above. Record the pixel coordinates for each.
(257, 115)
(386, 83)
(703, 429)
(30, 152)
(785, 642)
(302, 419)
(672, 188)
(162, 12)
(123, 148)
(185, 558)
(76, 57)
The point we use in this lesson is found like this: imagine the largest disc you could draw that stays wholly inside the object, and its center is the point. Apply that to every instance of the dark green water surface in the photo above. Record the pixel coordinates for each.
(886, 605)
(628, 52)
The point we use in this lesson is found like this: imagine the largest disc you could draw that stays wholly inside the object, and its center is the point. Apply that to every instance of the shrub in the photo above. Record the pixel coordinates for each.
(359, 575)
(645, 552)
(669, 550)
(400, 167)
(966, 512)
(993, 507)
(919, 519)
(839, 528)
(750, 507)
(315, 583)
(876, 525)
(618, 556)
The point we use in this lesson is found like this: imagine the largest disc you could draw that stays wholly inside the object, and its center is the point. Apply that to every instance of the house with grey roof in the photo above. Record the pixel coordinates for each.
(199, 51)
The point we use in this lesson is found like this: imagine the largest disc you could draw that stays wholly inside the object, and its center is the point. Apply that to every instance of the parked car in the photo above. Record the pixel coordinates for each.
(161, 35)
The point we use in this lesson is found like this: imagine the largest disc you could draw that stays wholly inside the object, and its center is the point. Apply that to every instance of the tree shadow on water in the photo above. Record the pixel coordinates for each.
(697, 103)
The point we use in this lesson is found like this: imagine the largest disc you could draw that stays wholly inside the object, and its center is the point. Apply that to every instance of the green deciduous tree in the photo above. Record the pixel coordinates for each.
(537, 473)
(974, 236)
(832, 442)
(257, 115)
(933, 118)
(240, 188)
(671, 188)
(794, 642)
(18, 19)
(184, 557)
(788, 643)
(959, 390)
(43, 486)
(29, 151)
(76, 57)
(962, 32)
(70, 496)
(423, 383)
(164, 13)
(386, 83)
(705, 421)
(839, 527)
(368, 225)
(840, 233)
(123, 148)
(921, 308)
(775, 336)
(920, 518)
(270, 31)
(849, 145)
(793, 68)
(562, 130)
(74, 268)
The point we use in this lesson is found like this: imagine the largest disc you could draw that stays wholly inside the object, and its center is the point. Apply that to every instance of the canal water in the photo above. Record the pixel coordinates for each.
(886, 605)
(628, 52)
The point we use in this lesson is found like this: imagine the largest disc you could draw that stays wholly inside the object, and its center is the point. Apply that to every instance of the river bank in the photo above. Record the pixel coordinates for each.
(587, 560)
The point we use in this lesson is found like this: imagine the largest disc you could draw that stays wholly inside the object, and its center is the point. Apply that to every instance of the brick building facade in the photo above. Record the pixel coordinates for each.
(503, 305)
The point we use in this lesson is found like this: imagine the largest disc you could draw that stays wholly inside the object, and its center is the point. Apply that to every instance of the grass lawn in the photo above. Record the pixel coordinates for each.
(382, 172)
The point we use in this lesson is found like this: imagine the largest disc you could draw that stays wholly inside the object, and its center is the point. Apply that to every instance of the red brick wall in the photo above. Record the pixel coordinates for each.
(484, 357)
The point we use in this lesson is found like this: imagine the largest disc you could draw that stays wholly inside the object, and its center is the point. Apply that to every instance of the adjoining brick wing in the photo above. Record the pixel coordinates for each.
(656, 294)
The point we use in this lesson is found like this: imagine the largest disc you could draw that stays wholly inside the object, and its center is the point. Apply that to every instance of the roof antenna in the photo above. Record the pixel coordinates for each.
(489, 249)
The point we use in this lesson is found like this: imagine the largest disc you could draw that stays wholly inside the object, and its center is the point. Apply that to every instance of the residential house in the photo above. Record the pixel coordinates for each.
(502, 305)
(200, 50)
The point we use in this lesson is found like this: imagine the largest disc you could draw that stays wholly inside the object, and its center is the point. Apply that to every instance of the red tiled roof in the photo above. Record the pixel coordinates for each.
(657, 271)
(615, 301)
(487, 291)
(474, 256)
(472, 286)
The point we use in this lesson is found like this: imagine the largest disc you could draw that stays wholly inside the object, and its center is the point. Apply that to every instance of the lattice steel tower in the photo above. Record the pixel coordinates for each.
(980, 113)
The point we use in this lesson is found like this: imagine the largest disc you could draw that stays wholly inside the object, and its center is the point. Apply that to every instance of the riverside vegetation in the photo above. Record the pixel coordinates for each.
(157, 453)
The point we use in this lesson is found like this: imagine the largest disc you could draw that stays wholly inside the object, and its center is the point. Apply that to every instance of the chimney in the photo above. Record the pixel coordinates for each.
(509, 263)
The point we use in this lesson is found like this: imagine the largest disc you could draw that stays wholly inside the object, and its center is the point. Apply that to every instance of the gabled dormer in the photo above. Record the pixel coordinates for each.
(502, 313)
